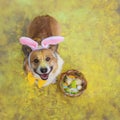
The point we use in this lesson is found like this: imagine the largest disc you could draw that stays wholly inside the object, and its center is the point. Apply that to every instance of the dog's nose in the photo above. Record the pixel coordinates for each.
(43, 70)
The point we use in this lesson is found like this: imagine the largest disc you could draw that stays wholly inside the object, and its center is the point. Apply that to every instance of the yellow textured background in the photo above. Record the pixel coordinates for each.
(92, 45)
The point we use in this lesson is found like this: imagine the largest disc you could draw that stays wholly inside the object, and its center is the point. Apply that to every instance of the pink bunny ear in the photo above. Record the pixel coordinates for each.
(29, 42)
(51, 41)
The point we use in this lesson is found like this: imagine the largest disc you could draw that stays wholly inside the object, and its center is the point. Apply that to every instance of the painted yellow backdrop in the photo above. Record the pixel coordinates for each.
(92, 45)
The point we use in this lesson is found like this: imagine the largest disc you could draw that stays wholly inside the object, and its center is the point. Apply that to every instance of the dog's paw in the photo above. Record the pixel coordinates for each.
(54, 81)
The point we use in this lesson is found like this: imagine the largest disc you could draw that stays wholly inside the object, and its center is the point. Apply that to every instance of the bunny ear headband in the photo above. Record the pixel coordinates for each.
(44, 44)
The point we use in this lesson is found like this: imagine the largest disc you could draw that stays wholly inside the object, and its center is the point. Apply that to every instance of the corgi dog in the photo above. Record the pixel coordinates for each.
(44, 62)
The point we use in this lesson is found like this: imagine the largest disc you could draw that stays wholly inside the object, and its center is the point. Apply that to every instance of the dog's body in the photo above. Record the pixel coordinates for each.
(45, 64)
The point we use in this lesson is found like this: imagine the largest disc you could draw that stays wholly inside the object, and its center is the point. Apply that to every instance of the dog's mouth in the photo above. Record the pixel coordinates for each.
(44, 76)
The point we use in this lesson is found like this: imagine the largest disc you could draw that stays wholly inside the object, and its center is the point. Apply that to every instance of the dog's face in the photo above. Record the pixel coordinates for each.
(43, 62)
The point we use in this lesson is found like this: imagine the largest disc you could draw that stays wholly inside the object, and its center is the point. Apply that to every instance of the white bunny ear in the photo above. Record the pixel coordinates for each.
(29, 42)
(54, 40)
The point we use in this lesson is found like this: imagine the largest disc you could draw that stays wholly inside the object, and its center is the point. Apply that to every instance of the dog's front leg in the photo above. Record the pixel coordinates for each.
(54, 81)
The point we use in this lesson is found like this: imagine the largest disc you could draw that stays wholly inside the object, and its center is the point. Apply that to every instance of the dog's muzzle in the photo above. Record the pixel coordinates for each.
(44, 74)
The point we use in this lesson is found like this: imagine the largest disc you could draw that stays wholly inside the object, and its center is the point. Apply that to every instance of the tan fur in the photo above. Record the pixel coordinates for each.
(42, 27)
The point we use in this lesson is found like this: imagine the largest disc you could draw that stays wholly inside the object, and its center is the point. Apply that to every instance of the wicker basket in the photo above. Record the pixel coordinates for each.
(77, 75)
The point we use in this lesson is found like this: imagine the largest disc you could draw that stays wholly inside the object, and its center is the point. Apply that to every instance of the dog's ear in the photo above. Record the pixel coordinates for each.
(26, 66)
(52, 42)
(54, 48)
(26, 50)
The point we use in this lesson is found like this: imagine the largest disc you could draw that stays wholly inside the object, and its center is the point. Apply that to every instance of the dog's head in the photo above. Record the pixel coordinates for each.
(41, 61)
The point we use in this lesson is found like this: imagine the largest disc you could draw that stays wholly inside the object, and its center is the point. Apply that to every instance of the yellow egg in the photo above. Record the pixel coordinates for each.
(71, 76)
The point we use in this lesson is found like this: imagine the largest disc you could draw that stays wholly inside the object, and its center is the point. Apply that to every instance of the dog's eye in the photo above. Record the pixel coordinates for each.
(36, 60)
(48, 59)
